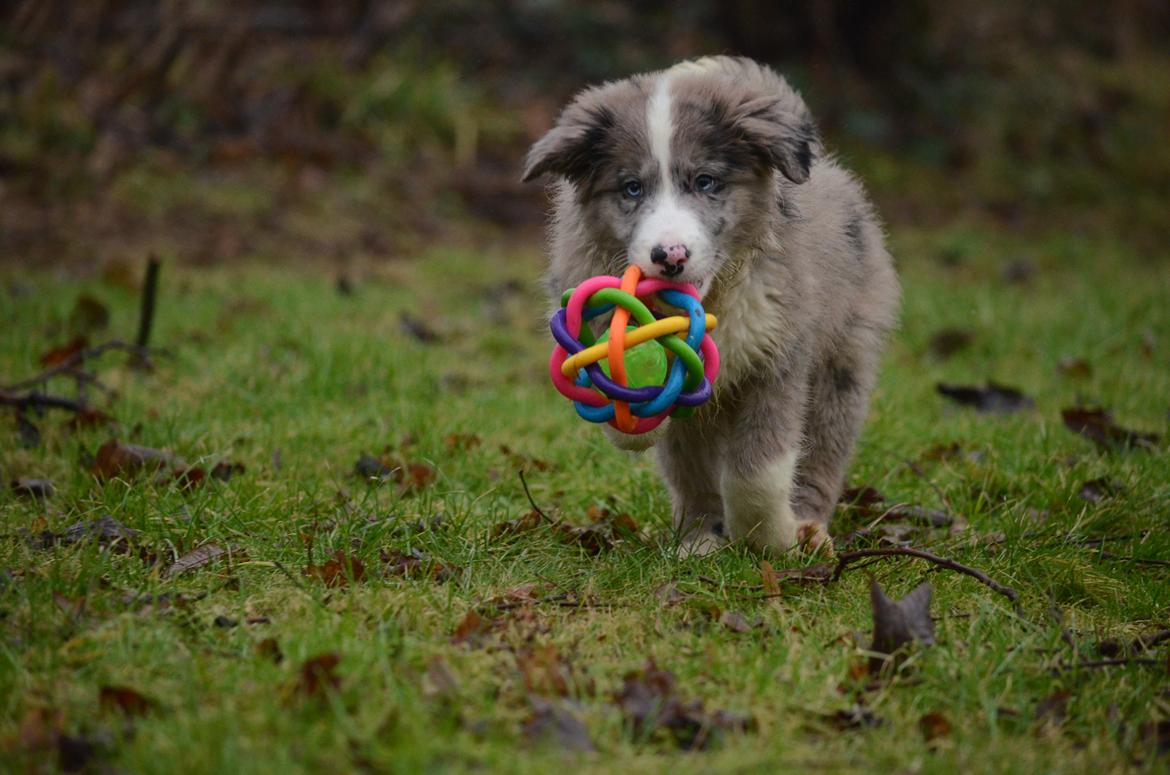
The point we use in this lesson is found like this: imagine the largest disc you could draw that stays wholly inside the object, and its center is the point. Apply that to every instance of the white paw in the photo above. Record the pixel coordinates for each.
(700, 545)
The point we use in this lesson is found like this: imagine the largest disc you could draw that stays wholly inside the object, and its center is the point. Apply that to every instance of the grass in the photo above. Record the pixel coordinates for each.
(274, 369)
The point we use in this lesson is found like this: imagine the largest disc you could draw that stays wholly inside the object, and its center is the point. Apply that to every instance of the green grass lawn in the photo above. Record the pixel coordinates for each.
(275, 369)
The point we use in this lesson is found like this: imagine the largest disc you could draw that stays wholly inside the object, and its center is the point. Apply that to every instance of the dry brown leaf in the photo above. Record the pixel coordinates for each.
(934, 726)
(771, 581)
(338, 571)
(125, 700)
(319, 675)
(552, 723)
(196, 558)
(115, 459)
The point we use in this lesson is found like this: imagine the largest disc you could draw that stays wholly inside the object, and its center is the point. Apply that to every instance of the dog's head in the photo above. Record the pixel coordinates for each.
(674, 169)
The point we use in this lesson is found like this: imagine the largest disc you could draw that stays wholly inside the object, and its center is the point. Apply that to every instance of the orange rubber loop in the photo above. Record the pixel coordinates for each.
(623, 419)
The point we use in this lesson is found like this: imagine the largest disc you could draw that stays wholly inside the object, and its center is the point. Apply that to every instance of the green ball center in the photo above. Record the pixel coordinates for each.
(645, 364)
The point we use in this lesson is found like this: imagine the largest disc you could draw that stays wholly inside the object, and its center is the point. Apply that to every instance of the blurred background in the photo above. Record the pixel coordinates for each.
(365, 131)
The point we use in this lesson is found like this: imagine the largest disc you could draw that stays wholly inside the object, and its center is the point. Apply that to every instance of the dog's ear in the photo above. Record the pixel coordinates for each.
(574, 147)
(779, 133)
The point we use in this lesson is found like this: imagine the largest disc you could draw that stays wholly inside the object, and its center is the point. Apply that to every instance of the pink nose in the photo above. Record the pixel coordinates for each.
(670, 257)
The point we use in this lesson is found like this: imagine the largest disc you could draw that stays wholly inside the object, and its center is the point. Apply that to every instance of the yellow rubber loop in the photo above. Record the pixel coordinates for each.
(673, 325)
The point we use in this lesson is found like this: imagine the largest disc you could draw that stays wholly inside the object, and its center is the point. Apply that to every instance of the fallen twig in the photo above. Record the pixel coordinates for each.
(140, 358)
(36, 400)
(532, 502)
(70, 364)
(1147, 642)
(844, 559)
(1120, 662)
(1135, 560)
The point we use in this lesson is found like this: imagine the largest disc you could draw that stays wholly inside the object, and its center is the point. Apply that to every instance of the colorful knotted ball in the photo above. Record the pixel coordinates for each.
(649, 365)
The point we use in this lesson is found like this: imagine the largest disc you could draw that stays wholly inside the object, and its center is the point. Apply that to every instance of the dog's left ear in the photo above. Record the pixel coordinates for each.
(573, 147)
(779, 132)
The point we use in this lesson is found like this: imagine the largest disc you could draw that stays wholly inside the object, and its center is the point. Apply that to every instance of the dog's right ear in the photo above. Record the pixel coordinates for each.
(574, 147)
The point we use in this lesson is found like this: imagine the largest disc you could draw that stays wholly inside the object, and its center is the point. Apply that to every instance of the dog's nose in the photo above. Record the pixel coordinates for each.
(670, 257)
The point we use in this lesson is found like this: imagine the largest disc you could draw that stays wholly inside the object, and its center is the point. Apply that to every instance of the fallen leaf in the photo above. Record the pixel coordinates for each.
(88, 418)
(594, 539)
(529, 521)
(1097, 490)
(269, 649)
(1097, 425)
(370, 467)
(1053, 709)
(89, 315)
(852, 718)
(544, 671)
(63, 353)
(125, 700)
(948, 342)
(416, 564)
(225, 470)
(735, 621)
(337, 571)
(934, 726)
(225, 622)
(418, 329)
(896, 624)
(115, 459)
(771, 582)
(461, 441)
(470, 627)
(669, 594)
(33, 488)
(1075, 368)
(418, 476)
(106, 531)
(649, 703)
(196, 558)
(990, 399)
(190, 477)
(806, 574)
(319, 675)
(552, 724)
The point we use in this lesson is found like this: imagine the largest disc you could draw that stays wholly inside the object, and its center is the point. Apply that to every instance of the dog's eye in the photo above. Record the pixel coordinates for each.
(705, 184)
(632, 189)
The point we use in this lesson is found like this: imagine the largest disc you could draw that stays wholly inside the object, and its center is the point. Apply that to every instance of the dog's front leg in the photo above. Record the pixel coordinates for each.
(688, 458)
(760, 463)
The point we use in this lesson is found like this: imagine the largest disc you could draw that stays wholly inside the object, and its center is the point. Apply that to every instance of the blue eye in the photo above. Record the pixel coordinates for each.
(632, 189)
(705, 184)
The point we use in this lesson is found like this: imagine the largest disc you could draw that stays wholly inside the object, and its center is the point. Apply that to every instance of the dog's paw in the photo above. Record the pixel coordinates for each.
(812, 538)
(700, 545)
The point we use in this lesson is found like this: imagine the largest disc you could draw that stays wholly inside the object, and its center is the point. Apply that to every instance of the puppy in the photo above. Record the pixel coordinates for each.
(712, 173)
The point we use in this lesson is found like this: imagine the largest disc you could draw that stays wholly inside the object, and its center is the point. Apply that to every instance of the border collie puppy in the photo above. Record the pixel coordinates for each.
(712, 173)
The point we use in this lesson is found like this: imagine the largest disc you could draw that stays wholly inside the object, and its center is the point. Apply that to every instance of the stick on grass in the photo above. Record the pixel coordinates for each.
(846, 558)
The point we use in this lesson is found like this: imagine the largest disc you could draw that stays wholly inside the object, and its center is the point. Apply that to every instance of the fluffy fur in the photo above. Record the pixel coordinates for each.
(712, 173)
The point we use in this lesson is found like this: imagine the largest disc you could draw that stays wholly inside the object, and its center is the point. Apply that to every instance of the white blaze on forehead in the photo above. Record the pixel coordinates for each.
(659, 127)
(668, 220)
